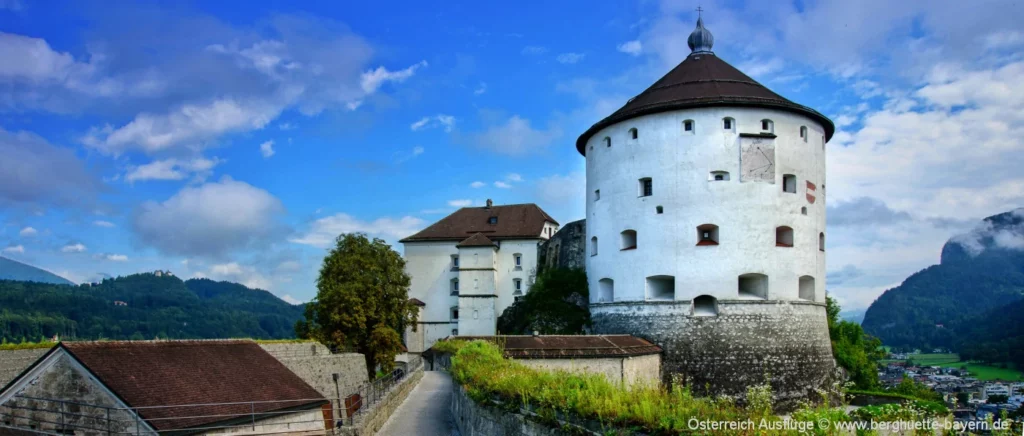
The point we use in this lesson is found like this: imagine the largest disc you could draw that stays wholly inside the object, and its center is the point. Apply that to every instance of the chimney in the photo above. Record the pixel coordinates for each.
(489, 203)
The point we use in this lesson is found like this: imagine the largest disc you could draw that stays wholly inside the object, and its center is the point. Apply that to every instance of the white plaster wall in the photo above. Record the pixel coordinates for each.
(477, 278)
(507, 272)
(429, 265)
(747, 213)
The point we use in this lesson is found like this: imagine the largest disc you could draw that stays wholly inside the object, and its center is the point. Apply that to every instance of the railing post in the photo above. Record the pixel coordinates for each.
(138, 428)
(252, 414)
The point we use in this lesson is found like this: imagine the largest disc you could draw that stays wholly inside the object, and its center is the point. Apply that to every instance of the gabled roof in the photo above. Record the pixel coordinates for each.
(570, 346)
(514, 221)
(702, 80)
(144, 374)
(477, 240)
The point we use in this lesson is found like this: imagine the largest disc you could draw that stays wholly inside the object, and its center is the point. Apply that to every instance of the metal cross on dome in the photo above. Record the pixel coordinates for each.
(699, 10)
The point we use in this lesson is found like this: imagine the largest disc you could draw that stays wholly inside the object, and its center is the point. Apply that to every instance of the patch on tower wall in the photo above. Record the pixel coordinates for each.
(810, 192)
(757, 160)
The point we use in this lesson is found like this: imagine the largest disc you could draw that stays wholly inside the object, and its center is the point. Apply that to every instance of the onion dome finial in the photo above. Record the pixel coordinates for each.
(700, 40)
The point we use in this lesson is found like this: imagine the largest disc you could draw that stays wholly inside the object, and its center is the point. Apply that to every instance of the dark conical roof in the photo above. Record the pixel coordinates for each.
(703, 80)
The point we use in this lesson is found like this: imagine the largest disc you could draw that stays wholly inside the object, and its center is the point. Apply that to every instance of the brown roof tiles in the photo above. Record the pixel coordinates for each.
(477, 240)
(513, 221)
(145, 374)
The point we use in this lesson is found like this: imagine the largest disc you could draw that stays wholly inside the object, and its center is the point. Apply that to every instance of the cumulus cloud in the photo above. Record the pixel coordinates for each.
(73, 248)
(267, 149)
(211, 219)
(502, 185)
(101, 223)
(116, 257)
(633, 48)
(439, 120)
(1008, 234)
(570, 58)
(247, 275)
(863, 211)
(324, 231)
(460, 203)
(34, 173)
(477, 184)
(14, 249)
(564, 194)
(404, 157)
(482, 88)
(513, 177)
(28, 231)
(374, 79)
(291, 300)
(515, 136)
(198, 168)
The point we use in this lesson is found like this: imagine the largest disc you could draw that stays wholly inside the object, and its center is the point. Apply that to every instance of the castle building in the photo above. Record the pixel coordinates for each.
(706, 228)
(467, 268)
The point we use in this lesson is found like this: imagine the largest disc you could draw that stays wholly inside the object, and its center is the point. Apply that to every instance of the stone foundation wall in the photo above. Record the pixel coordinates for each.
(787, 341)
(473, 419)
(315, 364)
(368, 423)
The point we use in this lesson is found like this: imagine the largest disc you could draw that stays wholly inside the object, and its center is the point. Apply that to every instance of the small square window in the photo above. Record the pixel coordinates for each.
(688, 126)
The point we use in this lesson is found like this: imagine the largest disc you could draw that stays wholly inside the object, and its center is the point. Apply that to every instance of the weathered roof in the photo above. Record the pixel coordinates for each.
(145, 374)
(477, 240)
(701, 80)
(514, 221)
(570, 346)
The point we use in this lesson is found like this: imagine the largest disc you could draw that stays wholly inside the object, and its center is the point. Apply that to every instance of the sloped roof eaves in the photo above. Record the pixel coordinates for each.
(515, 221)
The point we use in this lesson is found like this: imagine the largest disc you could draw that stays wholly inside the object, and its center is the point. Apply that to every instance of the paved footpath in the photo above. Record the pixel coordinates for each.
(426, 411)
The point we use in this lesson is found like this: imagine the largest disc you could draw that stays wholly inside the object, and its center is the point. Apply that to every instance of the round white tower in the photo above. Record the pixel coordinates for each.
(706, 227)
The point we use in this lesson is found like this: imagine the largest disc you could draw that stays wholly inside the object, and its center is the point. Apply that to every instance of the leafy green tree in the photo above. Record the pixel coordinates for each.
(909, 387)
(962, 398)
(997, 399)
(362, 301)
(556, 304)
(854, 350)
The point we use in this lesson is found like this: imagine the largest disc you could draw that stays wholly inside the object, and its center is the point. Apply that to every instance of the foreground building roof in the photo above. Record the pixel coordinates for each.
(513, 221)
(703, 80)
(210, 373)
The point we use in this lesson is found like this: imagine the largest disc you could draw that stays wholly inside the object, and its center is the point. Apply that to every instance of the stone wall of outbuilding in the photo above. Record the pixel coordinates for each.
(565, 249)
(314, 363)
(13, 362)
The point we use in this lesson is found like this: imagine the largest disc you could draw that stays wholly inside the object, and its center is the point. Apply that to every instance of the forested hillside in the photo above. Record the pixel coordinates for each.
(14, 270)
(142, 306)
(972, 302)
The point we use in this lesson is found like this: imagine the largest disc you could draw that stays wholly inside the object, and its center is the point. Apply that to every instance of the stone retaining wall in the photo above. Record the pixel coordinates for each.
(368, 423)
(473, 419)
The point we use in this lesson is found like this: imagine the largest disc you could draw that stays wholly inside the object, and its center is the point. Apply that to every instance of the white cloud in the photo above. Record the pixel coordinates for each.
(116, 257)
(19, 249)
(247, 275)
(101, 223)
(480, 89)
(373, 79)
(439, 120)
(73, 248)
(324, 231)
(286, 126)
(189, 125)
(291, 300)
(513, 177)
(460, 203)
(477, 184)
(28, 231)
(515, 137)
(502, 185)
(34, 173)
(209, 220)
(533, 50)
(631, 47)
(173, 169)
(267, 149)
(570, 58)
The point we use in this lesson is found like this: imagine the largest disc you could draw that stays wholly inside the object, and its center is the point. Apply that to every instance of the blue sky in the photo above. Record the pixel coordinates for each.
(233, 141)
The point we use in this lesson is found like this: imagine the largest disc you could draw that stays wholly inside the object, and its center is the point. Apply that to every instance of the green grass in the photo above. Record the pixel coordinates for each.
(952, 360)
(27, 346)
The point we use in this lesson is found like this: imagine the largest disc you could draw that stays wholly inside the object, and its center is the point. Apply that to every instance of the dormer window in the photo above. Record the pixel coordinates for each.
(492, 220)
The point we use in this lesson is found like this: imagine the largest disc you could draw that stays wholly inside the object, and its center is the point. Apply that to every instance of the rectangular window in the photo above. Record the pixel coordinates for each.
(597, 194)
(519, 285)
(455, 332)
(455, 314)
(519, 260)
(455, 286)
(727, 124)
(764, 125)
(688, 126)
(455, 261)
(646, 188)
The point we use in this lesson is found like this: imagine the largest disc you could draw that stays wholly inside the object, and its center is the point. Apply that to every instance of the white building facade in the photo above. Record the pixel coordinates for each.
(706, 228)
(470, 266)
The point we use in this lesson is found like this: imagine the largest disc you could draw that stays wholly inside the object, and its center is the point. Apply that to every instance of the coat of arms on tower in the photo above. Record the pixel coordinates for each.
(810, 192)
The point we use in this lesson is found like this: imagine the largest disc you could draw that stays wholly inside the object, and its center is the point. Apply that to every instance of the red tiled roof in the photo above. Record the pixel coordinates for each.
(570, 346)
(477, 240)
(175, 373)
(514, 221)
(702, 80)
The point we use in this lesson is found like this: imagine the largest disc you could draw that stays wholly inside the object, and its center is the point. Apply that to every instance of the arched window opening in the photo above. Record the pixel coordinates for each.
(646, 186)
(593, 246)
(821, 241)
(803, 133)
(789, 183)
(628, 240)
(783, 236)
(719, 176)
(753, 286)
(767, 126)
(659, 209)
(705, 305)
(453, 286)
(633, 133)
(707, 234)
(606, 290)
(803, 210)
(688, 126)
(607, 141)
(729, 124)
(807, 288)
(661, 288)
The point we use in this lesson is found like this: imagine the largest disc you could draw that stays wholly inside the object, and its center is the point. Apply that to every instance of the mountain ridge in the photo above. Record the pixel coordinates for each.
(11, 269)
